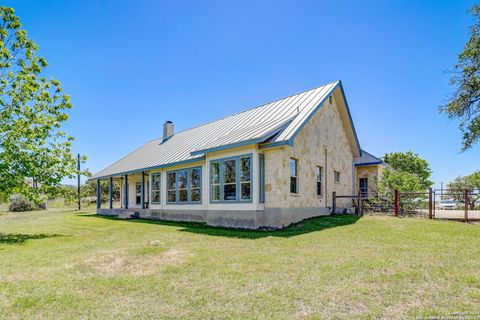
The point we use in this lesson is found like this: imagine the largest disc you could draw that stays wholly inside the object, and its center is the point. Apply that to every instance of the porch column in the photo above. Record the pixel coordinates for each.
(142, 195)
(126, 191)
(99, 201)
(111, 192)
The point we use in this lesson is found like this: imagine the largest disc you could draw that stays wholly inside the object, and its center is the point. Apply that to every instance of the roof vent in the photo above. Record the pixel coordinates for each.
(168, 130)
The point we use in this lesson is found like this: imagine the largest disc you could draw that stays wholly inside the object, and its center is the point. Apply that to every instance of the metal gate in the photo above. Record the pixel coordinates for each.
(450, 204)
(456, 204)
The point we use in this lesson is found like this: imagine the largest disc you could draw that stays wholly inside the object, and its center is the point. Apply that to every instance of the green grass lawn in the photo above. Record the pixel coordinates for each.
(61, 264)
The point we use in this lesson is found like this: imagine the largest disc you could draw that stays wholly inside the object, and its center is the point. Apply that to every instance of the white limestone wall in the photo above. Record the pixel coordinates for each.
(321, 142)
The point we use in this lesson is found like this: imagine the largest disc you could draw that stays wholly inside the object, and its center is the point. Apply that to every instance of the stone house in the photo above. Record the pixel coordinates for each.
(269, 166)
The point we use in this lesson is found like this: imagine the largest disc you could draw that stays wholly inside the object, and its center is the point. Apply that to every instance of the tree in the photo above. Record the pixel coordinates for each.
(32, 111)
(409, 162)
(398, 180)
(461, 183)
(89, 190)
(465, 102)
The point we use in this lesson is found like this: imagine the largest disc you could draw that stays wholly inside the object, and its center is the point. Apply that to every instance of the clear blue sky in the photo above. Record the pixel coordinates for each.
(131, 65)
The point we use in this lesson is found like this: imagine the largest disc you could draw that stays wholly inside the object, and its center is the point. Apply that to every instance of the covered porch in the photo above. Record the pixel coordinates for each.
(134, 193)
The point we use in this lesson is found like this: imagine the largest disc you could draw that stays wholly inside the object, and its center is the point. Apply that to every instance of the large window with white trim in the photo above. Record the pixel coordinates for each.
(231, 179)
(184, 186)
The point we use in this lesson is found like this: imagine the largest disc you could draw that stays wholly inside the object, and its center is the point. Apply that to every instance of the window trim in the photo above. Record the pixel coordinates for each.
(295, 176)
(334, 176)
(238, 191)
(319, 179)
(189, 195)
(159, 174)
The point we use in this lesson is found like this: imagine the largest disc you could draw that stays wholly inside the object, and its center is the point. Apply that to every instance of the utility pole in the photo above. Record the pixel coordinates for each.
(78, 182)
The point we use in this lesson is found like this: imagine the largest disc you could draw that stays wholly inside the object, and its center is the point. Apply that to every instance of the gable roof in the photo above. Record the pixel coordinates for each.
(275, 123)
(367, 159)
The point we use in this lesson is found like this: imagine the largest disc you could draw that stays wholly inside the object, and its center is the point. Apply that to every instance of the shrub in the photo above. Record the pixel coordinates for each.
(42, 206)
(20, 204)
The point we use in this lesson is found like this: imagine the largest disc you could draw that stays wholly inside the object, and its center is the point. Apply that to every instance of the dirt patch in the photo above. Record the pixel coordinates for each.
(122, 262)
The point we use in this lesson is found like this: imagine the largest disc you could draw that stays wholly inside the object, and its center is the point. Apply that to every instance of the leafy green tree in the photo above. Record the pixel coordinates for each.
(409, 162)
(465, 102)
(32, 111)
(89, 190)
(402, 181)
(469, 182)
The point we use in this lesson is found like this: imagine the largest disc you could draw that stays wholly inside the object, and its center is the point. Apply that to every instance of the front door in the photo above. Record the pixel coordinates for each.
(138, 193)
(363, 186)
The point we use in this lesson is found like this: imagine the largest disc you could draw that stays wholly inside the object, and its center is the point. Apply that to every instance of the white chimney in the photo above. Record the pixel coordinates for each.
(168, 130)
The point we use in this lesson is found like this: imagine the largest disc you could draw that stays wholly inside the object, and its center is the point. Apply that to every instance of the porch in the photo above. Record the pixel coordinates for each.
(134, 193)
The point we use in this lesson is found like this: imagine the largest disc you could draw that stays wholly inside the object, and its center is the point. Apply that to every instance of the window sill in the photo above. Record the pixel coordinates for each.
(182, 203)
(231, 202)
(296, 195)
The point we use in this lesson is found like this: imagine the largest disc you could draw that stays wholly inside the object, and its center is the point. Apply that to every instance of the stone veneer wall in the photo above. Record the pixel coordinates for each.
(322, 137)
(370, 172)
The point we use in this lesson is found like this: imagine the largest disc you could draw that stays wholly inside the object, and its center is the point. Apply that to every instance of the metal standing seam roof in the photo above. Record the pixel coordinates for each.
(367, 159)
(277, 122)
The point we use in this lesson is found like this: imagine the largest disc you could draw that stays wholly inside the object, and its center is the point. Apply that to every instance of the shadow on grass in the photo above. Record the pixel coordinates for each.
(306, 226)
(19, 238)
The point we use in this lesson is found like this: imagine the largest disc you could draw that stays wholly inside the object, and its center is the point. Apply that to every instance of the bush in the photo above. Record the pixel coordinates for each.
(20, 204)
(42, 206)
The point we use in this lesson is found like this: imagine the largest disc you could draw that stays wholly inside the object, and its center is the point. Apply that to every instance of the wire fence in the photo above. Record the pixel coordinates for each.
(451, 204)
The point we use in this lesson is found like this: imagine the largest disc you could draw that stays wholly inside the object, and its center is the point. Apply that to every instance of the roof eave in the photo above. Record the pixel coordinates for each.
(364, 164)
(167, 165)
(258, 140)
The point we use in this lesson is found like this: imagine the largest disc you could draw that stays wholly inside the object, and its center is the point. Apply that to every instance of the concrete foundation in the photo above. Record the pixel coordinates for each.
(242, 219)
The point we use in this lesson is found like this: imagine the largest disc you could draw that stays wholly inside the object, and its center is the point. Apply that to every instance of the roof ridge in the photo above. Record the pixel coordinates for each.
(249, 109)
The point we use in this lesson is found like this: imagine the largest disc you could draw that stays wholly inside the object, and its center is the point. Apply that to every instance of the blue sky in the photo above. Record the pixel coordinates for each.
(130, 65)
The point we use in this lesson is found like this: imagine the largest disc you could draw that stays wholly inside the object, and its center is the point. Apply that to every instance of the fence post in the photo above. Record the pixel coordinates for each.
(430, 203)
(465, 198)
(334, 202)
(396, 203)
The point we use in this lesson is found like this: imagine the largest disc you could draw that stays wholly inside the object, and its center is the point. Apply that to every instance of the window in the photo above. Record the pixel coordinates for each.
(195, 192)
(184, 186)
(245, 178)
(138, 193)
(171, 187)
(363, 186)
(262, 178)
(215, 181)
(156, 188)
(319, 181)
(293, 176)
(336, 176)
(231, 179)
